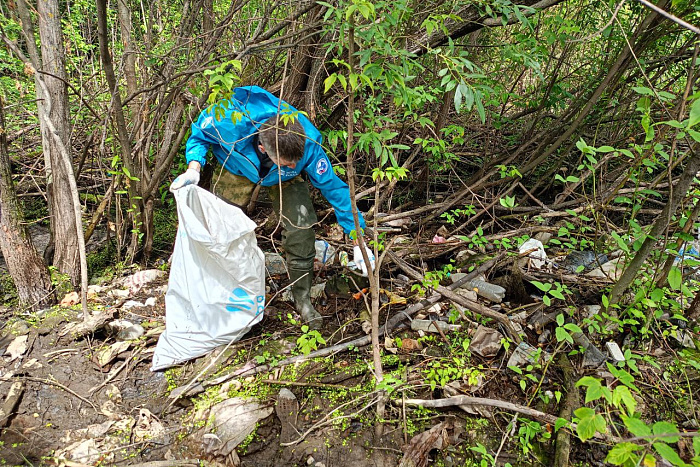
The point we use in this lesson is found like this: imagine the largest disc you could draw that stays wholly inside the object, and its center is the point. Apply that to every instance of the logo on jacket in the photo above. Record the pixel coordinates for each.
(240, 300)
(322, 166)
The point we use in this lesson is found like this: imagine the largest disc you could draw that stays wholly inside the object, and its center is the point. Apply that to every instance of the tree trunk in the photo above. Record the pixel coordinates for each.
(63, 220)
(25, 265)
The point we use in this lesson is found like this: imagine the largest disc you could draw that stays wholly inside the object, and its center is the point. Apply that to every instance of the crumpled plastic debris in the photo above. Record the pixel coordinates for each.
(137, 280)
(536, 258)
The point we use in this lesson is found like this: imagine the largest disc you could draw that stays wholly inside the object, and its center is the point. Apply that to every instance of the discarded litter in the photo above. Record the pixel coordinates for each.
(433, 326)
(612, 269)
(525, 353)
(486, 342)
(579, 261)
(615, 352)
(491, 292)
(325, 253)
(536, 258)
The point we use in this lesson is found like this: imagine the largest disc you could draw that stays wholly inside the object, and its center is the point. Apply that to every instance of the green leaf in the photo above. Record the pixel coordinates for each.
(561, 422)
(622, 395)
(480, 106)
(573, 328)
(589, 423)
(669, 454)
(675, 278)
(643, 90)
(662, 428)
(556, 294)
(636, 426)
(621, 453)
(560, 319)
(562, 335)
(328, 82)
(544, 287)
(694, 116)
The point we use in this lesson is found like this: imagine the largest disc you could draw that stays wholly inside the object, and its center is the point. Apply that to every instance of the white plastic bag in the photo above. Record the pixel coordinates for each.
(216, 290)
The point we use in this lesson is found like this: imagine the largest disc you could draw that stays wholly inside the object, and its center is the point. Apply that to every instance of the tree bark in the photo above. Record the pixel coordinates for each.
(26, 266)
(62, 219)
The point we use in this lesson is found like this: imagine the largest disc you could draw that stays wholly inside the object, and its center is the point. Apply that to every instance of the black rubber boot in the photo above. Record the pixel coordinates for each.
(301, 292)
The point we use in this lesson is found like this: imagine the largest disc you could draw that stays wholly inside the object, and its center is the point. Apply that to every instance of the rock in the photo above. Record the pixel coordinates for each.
(17, 348)
(275, 264)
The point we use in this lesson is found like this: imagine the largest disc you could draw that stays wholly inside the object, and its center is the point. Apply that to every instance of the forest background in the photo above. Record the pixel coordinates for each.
(492, 119)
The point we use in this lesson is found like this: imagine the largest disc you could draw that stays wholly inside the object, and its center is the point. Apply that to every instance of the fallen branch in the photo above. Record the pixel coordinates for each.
(467, 400)
(563, 440)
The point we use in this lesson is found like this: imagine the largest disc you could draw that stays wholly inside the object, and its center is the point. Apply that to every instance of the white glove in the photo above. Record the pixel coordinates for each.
(359, 260)
(190, 177)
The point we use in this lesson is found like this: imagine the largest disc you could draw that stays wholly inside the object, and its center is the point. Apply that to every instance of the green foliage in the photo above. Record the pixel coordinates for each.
(309, 340)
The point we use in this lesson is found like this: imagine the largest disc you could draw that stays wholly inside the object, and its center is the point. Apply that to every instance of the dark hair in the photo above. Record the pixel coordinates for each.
(283, 139)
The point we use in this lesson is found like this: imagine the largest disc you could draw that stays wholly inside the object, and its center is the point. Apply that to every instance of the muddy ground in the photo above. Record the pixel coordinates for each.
(82, 405)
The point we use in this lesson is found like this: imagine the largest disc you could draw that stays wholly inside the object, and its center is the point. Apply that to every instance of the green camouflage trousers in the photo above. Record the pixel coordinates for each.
(297, 213)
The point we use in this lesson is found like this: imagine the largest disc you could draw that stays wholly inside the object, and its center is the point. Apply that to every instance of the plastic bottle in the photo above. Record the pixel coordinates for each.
(433, 326)
(491, 292)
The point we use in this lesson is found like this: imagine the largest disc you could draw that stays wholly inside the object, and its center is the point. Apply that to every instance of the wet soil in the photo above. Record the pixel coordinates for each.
(76, 407)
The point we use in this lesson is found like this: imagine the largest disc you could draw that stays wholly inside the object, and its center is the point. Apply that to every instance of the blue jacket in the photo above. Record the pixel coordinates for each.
(231, 140)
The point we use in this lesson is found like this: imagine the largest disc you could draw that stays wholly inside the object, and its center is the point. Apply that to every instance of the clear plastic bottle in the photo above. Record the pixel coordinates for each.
(428, 325)
(491, 292)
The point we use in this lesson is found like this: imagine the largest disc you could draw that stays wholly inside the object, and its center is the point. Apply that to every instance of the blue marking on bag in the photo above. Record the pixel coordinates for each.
(240, 300)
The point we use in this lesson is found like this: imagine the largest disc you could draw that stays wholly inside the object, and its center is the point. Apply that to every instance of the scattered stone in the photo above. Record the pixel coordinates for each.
(275, 264)
(151, 301)
(17, 348)
(105, 356)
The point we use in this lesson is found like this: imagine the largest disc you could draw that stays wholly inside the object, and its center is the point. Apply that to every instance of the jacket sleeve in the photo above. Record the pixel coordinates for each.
(335, 190)
(199, 141)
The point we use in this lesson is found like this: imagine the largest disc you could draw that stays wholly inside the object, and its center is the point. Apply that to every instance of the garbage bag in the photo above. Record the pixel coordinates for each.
(216, 288)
